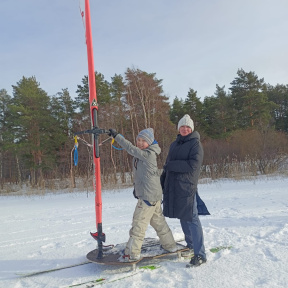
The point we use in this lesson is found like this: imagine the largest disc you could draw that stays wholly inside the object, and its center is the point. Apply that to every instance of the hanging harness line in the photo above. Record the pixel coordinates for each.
(76, 151)
(100, 144)
(75, 148)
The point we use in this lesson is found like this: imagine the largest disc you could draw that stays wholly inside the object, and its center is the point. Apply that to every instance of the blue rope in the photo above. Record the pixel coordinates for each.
(117, 148)
(75, 156)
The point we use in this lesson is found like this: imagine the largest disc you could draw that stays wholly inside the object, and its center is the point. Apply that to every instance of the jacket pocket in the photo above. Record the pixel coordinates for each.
(185, 188)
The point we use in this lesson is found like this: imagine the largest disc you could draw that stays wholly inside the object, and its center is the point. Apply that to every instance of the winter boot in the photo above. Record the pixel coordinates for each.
(170, 250)
(131, 258)
(196, 261)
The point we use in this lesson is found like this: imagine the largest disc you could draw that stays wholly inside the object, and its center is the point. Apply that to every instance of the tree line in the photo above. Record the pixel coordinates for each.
(243, 129)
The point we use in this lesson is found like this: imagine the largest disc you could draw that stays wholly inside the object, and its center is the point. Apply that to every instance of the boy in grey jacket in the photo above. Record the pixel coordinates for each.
(148, 190)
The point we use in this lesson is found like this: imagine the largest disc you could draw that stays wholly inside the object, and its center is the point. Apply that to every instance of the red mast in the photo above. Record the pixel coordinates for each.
(99, 236)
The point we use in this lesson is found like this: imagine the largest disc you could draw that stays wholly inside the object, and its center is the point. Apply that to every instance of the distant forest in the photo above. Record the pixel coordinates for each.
(243, 129)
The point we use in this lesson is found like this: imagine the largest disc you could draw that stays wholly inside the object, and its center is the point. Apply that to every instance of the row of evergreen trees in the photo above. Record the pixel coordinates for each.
(37, 130)
(249, 103)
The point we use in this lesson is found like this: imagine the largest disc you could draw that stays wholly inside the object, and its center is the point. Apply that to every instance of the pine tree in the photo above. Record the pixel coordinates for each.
(62, 110)
(177, 110)
(250, 100)
(279, 96)
(193, 106)
(5, 134)
(219, 114)
(5, 101)
(32, 126)
(102, 91)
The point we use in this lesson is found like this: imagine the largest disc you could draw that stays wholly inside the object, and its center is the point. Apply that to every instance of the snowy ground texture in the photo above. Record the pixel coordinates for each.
(51, 231)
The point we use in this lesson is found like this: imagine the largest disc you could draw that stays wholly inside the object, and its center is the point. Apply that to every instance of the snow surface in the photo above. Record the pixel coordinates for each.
(45, 232)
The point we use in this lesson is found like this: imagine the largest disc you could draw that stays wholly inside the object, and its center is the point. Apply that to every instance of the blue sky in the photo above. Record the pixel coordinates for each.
(187, 43)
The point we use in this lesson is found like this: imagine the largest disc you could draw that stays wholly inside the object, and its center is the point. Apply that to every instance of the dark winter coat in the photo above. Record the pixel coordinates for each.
(180, 176)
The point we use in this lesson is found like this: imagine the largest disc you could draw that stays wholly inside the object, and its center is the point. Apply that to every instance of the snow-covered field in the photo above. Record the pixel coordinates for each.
(43, 232)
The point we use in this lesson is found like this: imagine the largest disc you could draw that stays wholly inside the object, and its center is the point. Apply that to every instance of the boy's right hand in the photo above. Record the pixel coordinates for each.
(113, 133)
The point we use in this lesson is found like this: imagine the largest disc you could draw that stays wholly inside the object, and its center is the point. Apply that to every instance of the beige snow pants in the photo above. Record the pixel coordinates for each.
(143, 216)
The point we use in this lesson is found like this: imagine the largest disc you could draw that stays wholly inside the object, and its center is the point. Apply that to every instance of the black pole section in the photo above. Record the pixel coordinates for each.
(100, 240)
(96, 136)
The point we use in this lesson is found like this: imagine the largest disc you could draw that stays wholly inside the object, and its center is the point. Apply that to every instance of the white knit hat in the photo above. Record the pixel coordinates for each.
(147, 135)
(186, 121)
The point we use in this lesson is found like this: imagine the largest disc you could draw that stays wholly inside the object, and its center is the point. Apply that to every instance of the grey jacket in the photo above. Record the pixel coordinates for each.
(146, 176)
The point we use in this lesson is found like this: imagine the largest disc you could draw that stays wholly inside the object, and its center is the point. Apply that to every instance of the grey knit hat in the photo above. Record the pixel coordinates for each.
(186, 121)
(147, 135)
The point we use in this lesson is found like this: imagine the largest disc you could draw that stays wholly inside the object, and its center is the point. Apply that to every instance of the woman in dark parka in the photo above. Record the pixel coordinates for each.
(179, 182)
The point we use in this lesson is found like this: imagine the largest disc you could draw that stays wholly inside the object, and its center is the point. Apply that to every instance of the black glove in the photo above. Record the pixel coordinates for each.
(113, 133)
(134, 194)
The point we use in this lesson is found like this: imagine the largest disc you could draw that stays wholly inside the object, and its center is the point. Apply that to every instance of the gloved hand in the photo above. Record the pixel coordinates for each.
(113, 133)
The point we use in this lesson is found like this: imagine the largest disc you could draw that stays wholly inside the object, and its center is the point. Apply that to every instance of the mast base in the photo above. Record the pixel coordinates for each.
(97, 237)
